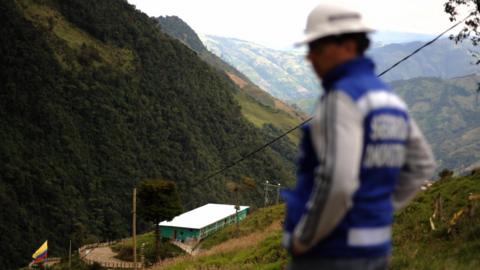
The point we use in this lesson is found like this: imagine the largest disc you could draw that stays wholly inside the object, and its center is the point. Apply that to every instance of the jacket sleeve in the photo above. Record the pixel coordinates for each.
(337, 178)
(419, 166)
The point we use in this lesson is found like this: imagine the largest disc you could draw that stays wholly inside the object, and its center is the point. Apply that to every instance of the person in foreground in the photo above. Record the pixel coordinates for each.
(361, 158)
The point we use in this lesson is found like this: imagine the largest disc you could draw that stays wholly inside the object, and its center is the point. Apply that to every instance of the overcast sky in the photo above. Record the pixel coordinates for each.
(280, 23)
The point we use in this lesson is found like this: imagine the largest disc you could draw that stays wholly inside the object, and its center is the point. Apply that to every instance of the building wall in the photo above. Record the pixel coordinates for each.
(184, 234)
(181, 234)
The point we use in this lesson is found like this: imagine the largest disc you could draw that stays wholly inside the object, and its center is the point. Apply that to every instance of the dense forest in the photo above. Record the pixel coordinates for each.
(94, 98)
(449, 114)
(177, 28)
(270, 114)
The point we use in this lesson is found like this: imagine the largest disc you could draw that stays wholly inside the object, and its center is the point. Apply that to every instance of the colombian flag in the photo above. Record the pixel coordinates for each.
(41, 253)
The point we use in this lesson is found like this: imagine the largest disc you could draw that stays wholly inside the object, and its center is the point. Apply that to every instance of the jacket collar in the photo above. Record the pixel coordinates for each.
(359, 65)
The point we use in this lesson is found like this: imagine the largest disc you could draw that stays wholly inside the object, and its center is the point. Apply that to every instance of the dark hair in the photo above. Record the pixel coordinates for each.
(362, 40)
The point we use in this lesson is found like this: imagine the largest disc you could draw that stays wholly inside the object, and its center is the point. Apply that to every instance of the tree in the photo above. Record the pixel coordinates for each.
(158, 200)
(471, 29)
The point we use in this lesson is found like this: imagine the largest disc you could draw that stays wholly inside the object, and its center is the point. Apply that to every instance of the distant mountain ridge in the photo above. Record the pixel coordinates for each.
(288, 76)
(383, 38)
(443, 59)
(282, 74)
(448, 112)
(257, 105)
(444, 107)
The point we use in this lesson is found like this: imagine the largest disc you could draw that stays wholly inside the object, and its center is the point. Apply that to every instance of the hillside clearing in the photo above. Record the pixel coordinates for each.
(416, 246)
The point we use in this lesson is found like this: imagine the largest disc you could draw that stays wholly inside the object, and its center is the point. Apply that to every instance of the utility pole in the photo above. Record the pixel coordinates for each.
(70, 256)
(267, 186)
(278, 193)
(237, 207)
(266, 193)
(134, 228)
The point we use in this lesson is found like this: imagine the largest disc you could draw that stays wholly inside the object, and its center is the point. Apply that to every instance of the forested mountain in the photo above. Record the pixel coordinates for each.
(94, 98)
(448, 111)
(283, 74)
(445, 108)
(259, 107)
(177, 28)
(288, 76)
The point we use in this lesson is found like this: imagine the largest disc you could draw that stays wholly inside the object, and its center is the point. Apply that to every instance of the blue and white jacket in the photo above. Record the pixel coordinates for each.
(361, 158)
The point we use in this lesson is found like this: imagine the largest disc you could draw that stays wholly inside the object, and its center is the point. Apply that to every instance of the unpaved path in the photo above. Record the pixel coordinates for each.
(102, 254)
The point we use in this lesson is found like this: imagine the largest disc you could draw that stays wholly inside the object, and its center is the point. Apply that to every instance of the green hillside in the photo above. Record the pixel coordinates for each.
(288, 76)
(283, 74)
(254, 245)
(177, 28)
(258, 106)
(262, 227)
(416, 245)
(449, 115)
(96, 98)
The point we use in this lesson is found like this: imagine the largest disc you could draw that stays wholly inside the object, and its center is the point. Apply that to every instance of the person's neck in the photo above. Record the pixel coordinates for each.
(338, 63)
(359, 64)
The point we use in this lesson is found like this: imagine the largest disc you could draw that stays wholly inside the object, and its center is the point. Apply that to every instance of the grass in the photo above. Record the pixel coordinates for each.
(258, 220)
(260, 95)
(416, 245)
(167, 250)
(255, 246)
(260, 115)
(266, 254)
(257, 105)
(75, 39)
(77, 264)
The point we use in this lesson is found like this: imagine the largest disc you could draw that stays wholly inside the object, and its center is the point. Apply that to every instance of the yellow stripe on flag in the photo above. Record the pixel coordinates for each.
(41, 250)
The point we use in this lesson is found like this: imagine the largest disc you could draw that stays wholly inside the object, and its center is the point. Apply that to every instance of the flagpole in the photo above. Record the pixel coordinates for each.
(134, 228)
(70, 255)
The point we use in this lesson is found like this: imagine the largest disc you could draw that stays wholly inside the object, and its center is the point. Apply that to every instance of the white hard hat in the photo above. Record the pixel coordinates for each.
(327, 20)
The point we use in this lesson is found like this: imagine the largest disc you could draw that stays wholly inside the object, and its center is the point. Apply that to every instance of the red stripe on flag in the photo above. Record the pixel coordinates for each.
(41, 257)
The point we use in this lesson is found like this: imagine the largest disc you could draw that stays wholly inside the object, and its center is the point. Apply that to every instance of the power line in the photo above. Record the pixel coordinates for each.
(256, 151)
(310, 118)
(424, 45)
